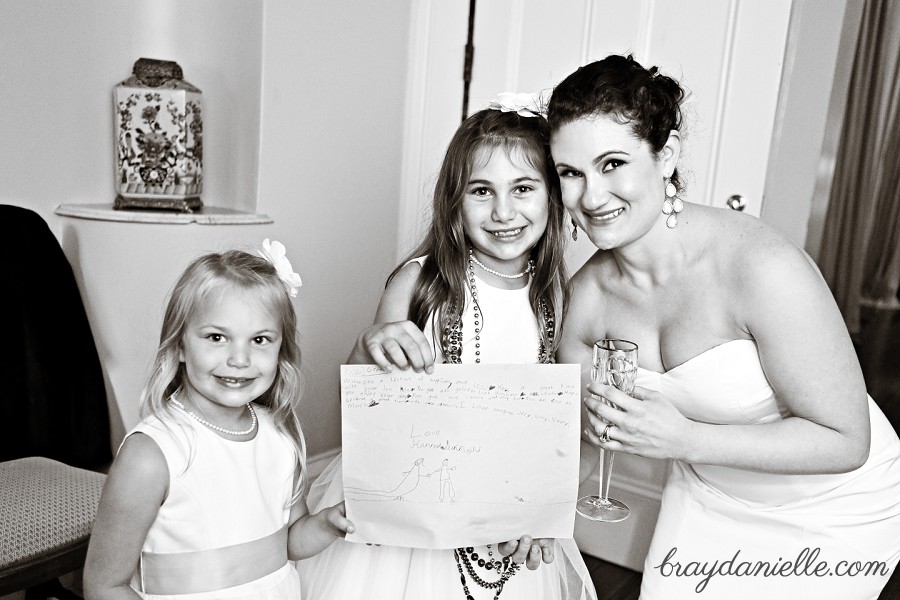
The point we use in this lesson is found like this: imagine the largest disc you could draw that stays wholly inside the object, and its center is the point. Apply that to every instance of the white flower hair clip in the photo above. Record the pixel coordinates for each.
(275, 253)
(525, 105)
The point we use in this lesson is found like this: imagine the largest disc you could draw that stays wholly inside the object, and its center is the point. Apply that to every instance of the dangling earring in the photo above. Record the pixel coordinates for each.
(574, 231)
(672, 205)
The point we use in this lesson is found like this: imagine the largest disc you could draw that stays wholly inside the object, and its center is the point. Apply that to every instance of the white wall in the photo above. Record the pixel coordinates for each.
(817, 65)
(60, 60)
(835, 121)
(333, 88)
(303, 109)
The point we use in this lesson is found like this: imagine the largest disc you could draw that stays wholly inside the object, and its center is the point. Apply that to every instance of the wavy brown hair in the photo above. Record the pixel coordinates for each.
(621, 87)
(440, 289)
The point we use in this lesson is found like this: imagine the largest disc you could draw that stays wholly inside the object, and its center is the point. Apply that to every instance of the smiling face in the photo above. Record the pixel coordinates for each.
(230, 350)
(505, 208)
(612, 183)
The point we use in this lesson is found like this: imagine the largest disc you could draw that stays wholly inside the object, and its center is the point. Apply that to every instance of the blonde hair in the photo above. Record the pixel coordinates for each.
(218, 273)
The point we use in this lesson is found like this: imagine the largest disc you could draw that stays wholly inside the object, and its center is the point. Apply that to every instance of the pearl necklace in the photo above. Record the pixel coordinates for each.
(216, 427)
(527, 270)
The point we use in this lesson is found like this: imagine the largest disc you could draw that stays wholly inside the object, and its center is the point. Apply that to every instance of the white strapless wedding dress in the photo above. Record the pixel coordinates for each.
(710, 515)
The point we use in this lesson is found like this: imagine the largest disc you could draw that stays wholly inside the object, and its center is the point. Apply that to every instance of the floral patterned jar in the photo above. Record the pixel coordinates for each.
(159, 139)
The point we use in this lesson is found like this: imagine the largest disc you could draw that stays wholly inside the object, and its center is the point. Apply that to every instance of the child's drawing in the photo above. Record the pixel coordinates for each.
(446, 483)
(409, 483)
(462, 427)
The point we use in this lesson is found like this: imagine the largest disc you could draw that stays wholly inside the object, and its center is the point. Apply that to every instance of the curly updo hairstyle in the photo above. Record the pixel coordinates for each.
(620, 87)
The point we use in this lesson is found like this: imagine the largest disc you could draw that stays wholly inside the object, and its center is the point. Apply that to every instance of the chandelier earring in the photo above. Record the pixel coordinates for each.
(574, 231)
(672, 205)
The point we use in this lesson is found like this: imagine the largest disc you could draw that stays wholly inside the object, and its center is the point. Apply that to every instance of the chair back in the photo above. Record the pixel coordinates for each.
(54, 400)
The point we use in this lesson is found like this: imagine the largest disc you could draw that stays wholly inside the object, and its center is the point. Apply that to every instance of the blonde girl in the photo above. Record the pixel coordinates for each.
(204, 498)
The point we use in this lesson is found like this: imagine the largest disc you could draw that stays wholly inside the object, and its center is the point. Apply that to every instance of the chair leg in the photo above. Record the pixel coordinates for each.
(48, 590)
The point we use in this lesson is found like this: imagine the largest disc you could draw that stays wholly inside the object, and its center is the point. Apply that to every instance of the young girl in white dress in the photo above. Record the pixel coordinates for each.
(486, 285)
(204, 497)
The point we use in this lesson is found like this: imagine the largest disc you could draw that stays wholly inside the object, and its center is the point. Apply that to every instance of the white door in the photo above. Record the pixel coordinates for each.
(728, 54)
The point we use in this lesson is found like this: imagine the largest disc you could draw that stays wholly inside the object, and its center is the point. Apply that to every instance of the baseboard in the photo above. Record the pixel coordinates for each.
(636, 481)
(891, 303)
(625, 543)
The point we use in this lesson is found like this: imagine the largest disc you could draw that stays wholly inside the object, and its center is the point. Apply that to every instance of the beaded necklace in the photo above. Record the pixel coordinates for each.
(452, 344)
(504, 567)
(452, 331)
(215, 427)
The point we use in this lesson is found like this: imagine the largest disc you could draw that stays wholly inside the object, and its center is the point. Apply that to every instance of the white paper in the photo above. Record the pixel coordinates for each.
(468, 455)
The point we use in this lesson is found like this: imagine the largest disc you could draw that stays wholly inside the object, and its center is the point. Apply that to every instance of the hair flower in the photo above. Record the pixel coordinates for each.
(276, 254)
(525, 105)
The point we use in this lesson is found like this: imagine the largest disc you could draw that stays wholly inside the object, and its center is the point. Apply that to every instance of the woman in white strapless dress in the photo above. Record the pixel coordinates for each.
(785, 478)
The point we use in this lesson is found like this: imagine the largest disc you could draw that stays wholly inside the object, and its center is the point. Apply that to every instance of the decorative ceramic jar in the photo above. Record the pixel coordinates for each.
(159, 139)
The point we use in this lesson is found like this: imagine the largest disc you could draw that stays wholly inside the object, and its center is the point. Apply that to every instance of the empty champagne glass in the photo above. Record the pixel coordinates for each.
(615, 364)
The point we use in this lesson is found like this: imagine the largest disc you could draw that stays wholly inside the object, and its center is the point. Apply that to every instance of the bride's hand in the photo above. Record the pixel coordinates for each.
(399, 343)
(646, 424)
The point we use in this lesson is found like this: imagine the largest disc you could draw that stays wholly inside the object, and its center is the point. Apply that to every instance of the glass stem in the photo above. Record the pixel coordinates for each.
(606, 465)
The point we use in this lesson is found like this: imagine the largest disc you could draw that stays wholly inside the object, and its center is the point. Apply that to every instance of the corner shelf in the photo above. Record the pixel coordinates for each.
(207, 215)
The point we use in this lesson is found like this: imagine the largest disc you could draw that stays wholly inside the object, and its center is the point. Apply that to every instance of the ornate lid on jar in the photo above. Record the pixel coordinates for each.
(154, 73)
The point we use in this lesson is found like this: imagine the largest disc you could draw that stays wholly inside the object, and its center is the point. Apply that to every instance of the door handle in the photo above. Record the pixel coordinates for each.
(736, 202)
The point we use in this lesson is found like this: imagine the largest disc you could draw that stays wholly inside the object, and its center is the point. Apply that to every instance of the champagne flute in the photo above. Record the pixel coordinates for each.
(615, 364)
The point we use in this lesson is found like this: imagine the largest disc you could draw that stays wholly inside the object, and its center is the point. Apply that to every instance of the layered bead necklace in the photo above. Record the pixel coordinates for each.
(467, 556)
(452, 332)
(215, 427)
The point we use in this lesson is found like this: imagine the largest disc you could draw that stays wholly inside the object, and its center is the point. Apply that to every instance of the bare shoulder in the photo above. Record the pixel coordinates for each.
(587, 299)
(594, 272)
(759, 264)
(738, 227)
(139, 459)
(588, 284)
(407, 276)
(394, 304)
(750, 247)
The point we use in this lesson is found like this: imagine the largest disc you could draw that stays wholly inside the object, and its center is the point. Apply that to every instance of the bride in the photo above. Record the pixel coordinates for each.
(748, 378)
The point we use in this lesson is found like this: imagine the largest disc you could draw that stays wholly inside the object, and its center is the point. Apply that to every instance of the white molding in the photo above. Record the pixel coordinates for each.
(833, 128)
(206, 215)
(721, 102)
(514, 45)
(645, 29)
(413, 138)
(587, 32)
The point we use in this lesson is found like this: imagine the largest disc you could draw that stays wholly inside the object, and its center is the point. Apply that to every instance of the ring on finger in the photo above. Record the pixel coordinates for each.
(604, 437)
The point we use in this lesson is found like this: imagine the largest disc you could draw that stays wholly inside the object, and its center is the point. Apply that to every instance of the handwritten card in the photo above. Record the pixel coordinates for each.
(467, 455)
